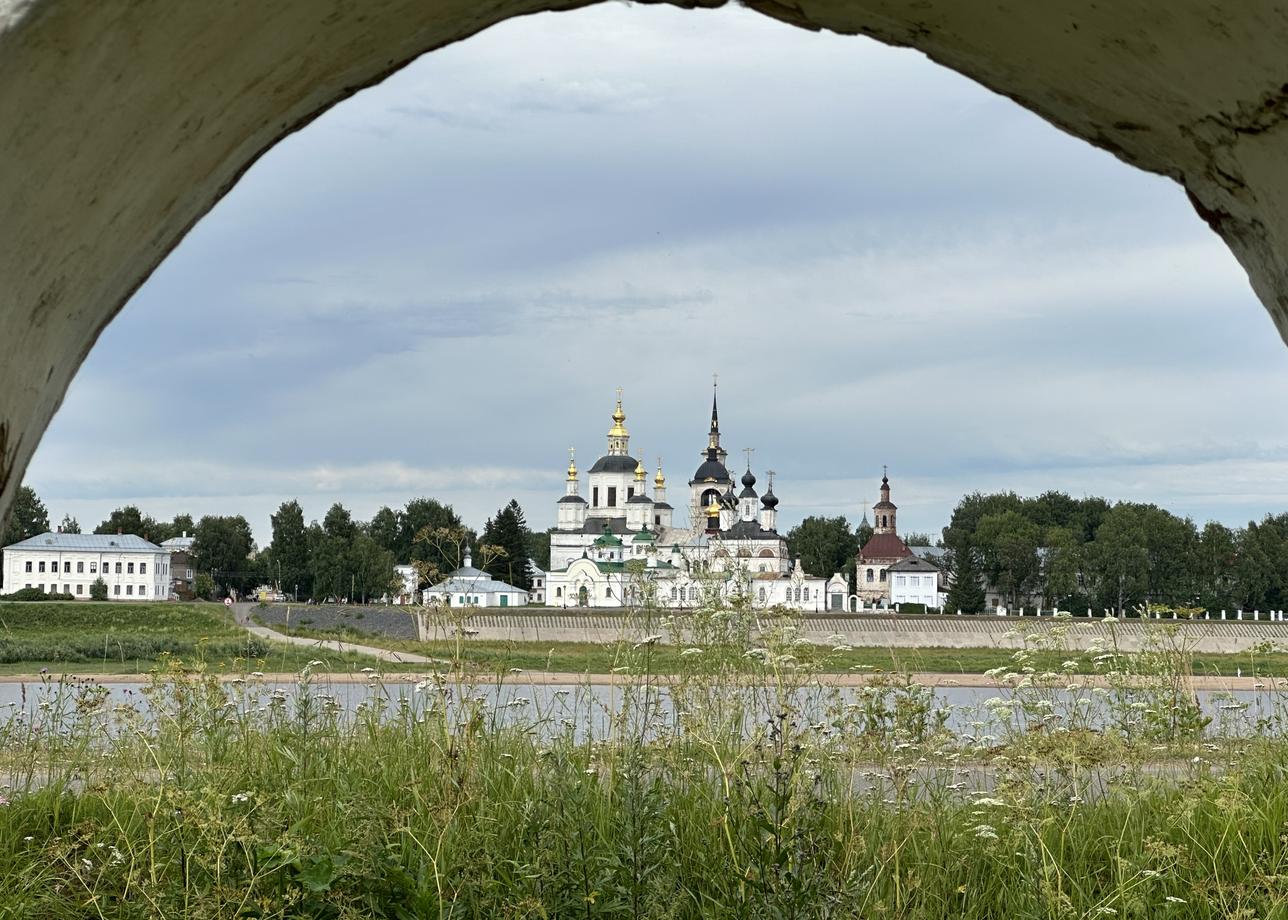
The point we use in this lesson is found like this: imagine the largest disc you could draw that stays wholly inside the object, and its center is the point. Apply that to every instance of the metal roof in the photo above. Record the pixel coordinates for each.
(89, 542)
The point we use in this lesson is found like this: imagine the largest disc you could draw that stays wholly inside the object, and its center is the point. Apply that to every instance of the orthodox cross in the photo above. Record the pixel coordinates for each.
(619, 394)
(748, 451)
(715, 380)
(572, 455)
(770, 474)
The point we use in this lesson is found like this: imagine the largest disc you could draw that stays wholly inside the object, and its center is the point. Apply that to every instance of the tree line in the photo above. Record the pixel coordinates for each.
(337, 557)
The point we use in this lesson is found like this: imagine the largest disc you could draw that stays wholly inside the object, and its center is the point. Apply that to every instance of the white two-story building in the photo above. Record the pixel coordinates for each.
(69, 563)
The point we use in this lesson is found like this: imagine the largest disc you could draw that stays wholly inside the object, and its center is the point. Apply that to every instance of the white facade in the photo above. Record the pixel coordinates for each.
(471, 587)
(409, 576)
(915, 581)
(57, 563)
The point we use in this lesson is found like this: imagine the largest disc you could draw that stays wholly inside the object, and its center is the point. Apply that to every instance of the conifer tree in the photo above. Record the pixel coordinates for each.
(966, 593)
(509, 531)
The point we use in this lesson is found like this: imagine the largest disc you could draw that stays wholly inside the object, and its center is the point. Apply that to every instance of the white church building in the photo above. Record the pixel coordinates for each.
(624, 546)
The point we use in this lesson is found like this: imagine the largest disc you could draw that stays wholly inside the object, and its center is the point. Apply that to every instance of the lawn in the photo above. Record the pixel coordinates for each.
(600, 658)
(115, 638)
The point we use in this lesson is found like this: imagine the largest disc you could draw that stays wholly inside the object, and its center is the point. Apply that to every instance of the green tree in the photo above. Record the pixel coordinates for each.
(824, 545)
(965, 587)
(1061, 565)
(98, 590)
(130, 520)
(916, 538)
(1118, 561)
(509, 532)
(373, 568)
(539, 549)
(331, 554)
(27, 518)
(69, 524)
(424, 517)
(1215, 567)
(289, 550)
(1008, 544)
(385, 529)
(222, 546)
(203, 586)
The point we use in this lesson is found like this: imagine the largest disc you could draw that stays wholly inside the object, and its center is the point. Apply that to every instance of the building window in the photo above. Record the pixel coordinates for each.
(80, 589)
(42, 565)
(594, 497)
(93, 568)
(118, 568)
(630, 492)
(129, 589)
(869, 576)
(805, 593)
(761, 594)
(40, 587)
(693, 592)
(657, 519)
(28, 565)
(67, 567)
(608, 592)
(143, 568)
(80, 568)
(129, 568)
(883, 578)
(674, 592)
(558, 592)
(116, 589)
(612, 496)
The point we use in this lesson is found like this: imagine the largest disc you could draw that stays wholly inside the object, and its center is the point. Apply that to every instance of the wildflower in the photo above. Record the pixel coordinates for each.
(420, 687)
(368, 670)
(1174, 900)
(984, 832)
(690, 651)
(648, 640)
(239, 798)
(315, 663)
(516, 670)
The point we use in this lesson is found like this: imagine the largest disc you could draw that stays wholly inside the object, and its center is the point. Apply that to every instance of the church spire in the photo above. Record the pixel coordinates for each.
(713, 437)
(618, 437)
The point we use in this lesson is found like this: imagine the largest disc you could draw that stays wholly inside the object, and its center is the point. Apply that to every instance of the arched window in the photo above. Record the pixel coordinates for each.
(885, 521)
(761, 594)
(674, 592)
(608, 592)
(693, 592)
(883, 578)
(766, 554)
(558, 592)
(805, 592)
(869, 576)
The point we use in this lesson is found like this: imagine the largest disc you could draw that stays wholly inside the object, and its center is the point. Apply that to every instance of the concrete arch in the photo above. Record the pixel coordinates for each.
(126, 121)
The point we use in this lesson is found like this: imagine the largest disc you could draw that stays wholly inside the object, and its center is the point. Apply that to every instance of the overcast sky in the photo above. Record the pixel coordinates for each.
(436, 287)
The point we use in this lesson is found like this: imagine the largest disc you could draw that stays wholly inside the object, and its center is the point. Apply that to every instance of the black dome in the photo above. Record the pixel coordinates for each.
(614, 463)
(748, 479)
(713, 470)
(770, 501)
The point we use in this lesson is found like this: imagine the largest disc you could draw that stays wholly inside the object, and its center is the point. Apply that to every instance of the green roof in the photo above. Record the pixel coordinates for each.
(607, 538)
(645, 536)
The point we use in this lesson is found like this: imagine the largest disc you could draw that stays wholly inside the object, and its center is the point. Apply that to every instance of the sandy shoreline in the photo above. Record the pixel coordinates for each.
(564, 678)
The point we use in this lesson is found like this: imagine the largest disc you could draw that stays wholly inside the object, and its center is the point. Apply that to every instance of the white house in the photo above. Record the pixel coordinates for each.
(68, 563)
(471, 587)
(914, 580)
(409, 577)
(537, 594)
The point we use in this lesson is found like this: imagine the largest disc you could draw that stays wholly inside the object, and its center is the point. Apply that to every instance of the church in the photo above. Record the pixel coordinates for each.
(618, 545)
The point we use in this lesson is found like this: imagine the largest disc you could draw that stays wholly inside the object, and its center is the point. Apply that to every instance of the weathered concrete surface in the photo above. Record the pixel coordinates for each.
(126, 120)
(885, 631)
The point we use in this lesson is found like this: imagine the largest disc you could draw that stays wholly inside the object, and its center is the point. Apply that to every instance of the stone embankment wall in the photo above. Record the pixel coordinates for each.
(867, 630)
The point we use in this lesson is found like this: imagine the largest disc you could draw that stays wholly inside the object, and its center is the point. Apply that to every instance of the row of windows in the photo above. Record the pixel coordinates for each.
(915, 580)
(869, 576)
(80, 589)
(93, 567)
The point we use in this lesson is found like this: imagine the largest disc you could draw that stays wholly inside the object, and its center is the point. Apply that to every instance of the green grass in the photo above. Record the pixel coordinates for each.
(722, 801)
(118, 638)
(485, 655)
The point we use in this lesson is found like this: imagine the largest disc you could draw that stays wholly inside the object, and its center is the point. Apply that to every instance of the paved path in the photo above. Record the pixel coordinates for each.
(241, 613)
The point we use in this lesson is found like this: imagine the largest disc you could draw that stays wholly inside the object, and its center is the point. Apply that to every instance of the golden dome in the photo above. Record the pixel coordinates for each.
(618, 430)
(713, 509)
(659, 481)
(639, 471)
(572, 465)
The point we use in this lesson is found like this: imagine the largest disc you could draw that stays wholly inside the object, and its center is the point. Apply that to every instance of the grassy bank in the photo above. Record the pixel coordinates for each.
(713, 800)
(491, 656)
(116, 638)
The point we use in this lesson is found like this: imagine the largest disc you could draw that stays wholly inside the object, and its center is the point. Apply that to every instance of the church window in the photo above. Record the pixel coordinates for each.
(657, 519)
(693, 592)
(885, 521)
(763, 567)
(558, 592)
(630, 492)
(674, 592)
(761, 594)
(883, 578)
(869, 576)
(608, 592)
(805, 592)
(612, 496)
(594, 496)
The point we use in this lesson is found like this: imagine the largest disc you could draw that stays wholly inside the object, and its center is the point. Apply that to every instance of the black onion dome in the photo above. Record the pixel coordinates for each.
(770, 501)
(614, 463)
(748, 479)
(712, 470)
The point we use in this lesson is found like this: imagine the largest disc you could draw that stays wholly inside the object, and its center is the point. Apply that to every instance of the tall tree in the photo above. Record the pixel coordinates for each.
(331, 557)
(130, 520)
(421, 518)
(1118, 561)
(182, 524)
(290, 550)
(27, 518)
(824, 545)
(1008, 551)
(1215, 563)
(384, 528)
(509, 531)
(373, 568)
(222, 546)
(539, 548)
(965, 587)
(69, 524)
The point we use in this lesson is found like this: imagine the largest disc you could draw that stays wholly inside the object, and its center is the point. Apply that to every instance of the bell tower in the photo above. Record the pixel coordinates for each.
(885, 510)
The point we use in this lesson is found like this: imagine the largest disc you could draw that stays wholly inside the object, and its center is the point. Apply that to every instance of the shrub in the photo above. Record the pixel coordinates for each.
(34, 594)
(98, 590)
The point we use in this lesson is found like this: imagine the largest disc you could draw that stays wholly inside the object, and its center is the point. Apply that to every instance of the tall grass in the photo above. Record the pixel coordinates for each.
(721, 794)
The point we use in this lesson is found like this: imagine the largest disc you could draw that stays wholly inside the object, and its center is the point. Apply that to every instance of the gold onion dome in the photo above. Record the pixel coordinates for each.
(713, 509)
(640, 472)
(572, 470)
(618, 430)
(659, 480)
